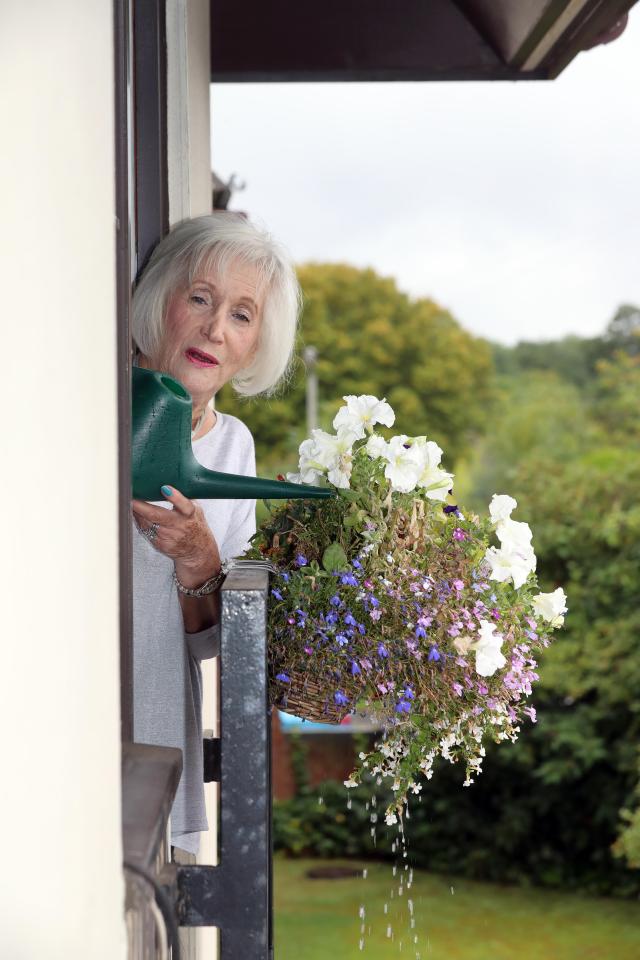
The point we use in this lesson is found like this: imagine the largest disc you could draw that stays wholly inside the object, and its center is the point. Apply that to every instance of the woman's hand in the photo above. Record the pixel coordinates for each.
(182, 534)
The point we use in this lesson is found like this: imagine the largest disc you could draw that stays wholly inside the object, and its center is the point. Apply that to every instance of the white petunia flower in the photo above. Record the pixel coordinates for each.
(487, 650)
(361, 413)
(404, 464)
(501, 507)
(551, 606)
(309, 467)
(435, 481)
(515, 564)
(513, 534)
(327, 453)
(376, 446)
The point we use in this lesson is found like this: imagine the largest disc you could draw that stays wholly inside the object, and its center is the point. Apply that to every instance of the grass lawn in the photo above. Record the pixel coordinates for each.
(454, 919)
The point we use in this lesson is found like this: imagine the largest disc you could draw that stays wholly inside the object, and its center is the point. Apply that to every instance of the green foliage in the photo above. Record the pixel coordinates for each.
(627, 846)
(371, 338)
(572, 461)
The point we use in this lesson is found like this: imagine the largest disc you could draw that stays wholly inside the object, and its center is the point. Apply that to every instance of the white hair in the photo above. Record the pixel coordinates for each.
(214, 242)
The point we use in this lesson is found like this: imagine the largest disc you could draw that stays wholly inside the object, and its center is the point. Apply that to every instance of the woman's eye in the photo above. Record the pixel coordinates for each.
(239, 315)
(199, 299)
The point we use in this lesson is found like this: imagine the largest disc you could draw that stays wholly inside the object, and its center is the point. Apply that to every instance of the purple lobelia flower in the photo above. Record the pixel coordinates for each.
(340, 698)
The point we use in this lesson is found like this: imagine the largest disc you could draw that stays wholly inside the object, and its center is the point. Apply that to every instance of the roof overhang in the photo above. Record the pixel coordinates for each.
(364, 40)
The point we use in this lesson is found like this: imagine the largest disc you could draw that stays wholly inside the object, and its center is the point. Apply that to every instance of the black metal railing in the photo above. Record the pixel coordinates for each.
(236, 895)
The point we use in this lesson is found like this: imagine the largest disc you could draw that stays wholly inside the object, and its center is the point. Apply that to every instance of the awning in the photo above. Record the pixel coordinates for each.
(364, 40)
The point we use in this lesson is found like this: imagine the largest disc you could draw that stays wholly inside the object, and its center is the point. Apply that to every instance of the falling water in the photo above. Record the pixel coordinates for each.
(403, 881)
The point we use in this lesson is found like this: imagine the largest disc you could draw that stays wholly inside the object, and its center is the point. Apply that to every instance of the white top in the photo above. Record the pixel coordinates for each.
(167, 679)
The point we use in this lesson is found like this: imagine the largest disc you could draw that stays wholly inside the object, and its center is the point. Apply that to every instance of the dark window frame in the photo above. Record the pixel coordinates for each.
(142, 218)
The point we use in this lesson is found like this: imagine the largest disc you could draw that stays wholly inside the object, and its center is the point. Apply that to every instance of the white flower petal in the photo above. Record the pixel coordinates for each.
(551, 606)
(501, 507)
(361, 413)
(513, 534)
(376, 446)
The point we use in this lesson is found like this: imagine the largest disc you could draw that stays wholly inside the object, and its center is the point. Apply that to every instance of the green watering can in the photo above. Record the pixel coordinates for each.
(161, 450)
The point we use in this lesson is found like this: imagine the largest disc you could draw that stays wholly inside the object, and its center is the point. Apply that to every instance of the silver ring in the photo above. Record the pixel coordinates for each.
(151, 532)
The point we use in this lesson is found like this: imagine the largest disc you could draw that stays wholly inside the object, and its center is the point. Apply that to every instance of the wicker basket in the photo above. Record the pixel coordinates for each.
(307, 698)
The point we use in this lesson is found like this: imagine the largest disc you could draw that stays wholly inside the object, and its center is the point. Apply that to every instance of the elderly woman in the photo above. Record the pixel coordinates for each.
(218, 302)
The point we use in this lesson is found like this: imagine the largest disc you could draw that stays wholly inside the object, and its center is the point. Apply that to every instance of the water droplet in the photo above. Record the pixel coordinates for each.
(394, 869)
(400, 889)
(320, 801)
(361, 943)
(361, 912)
(413, 923)
(386, 907)
(364, 874)
(389, 930)
(452, 891)
(349, 803)
(410, 905)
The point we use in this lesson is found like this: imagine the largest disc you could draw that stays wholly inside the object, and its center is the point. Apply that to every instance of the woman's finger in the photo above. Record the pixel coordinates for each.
(181, 504)
(150, 512)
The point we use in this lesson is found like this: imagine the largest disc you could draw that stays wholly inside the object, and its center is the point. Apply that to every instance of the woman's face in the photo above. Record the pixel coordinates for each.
(211, 330)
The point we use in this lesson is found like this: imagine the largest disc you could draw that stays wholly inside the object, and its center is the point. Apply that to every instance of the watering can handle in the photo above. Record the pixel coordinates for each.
(161, 451)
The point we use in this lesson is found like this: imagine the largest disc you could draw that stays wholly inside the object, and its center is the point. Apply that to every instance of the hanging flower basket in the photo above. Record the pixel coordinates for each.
(391, 601)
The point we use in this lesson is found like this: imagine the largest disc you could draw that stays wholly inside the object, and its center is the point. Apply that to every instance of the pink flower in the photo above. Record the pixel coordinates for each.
(458, 688)
(458, 585)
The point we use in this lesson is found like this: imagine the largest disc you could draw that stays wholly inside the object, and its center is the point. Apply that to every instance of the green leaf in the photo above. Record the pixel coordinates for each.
(334, 558)
(347, 494)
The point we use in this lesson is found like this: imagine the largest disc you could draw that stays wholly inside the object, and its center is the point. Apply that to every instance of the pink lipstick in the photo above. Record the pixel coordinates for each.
(199, 358)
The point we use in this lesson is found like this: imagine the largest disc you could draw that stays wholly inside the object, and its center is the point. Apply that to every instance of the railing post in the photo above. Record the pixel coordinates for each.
(236, 895)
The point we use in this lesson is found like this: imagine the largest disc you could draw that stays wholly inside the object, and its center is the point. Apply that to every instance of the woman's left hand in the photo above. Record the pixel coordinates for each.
(182, 534)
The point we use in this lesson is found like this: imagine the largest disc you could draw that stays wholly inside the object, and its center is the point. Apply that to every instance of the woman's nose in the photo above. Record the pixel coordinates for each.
(213, 327)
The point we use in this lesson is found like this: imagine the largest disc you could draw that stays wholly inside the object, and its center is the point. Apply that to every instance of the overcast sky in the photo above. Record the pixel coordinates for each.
(515, 205)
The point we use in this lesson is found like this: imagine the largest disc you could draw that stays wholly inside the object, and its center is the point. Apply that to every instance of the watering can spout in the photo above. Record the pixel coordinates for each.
(161, 450)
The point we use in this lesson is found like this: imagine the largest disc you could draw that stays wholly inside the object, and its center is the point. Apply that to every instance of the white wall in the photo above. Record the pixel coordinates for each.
(59, 689)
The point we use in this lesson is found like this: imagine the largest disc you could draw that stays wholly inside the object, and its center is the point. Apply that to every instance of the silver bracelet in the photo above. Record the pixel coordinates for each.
(208, 587)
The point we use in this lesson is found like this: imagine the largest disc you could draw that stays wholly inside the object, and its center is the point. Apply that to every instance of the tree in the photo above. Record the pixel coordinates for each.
(372, 338)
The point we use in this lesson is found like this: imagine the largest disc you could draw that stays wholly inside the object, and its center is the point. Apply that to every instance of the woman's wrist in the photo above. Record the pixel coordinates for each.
(195, 575)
